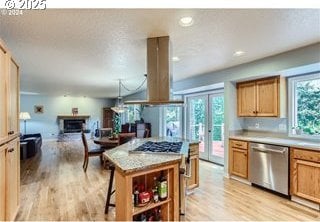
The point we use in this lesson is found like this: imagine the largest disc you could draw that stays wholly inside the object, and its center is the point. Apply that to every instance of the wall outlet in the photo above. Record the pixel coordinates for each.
(257, 125)
(282, 127)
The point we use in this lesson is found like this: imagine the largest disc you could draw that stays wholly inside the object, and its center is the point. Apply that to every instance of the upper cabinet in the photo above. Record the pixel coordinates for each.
(13, 103)
(262, 97)
(9, 96)
(3, 94)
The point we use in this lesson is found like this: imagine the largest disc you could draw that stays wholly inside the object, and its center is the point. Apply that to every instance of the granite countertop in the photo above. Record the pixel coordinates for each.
(276, 139)
(130, 162)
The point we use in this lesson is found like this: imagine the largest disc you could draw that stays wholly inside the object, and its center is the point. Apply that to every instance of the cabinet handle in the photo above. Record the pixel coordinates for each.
(238, 144)
(10, 132)
(11, 150)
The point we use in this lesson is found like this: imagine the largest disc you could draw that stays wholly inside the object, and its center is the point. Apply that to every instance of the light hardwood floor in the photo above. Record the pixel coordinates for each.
(54, 187)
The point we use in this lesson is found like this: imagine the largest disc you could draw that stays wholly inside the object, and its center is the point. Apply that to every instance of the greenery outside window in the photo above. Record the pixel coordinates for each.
(304, 106)
(132, 113)
(173, 121)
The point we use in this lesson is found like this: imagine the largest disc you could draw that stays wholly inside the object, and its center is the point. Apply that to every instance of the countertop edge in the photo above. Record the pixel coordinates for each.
(262, 140)
(151, 166)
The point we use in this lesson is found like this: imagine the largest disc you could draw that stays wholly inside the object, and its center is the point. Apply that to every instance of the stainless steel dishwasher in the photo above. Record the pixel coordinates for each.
(269, 167)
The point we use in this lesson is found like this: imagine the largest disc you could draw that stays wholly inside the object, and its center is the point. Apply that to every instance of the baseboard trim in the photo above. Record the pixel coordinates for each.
(306, 203)
(240, 179)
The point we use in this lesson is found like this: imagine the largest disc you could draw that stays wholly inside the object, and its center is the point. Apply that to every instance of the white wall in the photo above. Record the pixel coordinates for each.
(47, 123)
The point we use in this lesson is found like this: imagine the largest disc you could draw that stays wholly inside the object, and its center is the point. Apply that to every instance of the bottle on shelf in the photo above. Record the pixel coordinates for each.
(136, 196)
(155, 190)
(163, 187)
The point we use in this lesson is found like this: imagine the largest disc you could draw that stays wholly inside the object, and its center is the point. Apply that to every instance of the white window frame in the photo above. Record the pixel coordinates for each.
(135, 113)
(292, 104)
(162, 125)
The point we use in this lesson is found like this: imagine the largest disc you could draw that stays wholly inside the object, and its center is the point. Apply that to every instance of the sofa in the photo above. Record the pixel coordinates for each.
(34, 143)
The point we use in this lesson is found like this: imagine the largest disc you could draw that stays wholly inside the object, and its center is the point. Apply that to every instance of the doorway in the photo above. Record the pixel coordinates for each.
(205, 123)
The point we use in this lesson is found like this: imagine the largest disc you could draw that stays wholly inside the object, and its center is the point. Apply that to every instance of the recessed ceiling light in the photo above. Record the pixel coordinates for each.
(186, 21)
(175, 58)
(238, 53)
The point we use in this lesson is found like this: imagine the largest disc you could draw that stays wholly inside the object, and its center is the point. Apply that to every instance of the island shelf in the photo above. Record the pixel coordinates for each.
(125, 209)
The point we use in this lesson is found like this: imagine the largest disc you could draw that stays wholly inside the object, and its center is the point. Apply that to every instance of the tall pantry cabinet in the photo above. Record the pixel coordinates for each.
(9, 135)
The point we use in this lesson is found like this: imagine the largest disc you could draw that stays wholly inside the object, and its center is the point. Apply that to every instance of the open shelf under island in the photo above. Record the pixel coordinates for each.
(142, 168)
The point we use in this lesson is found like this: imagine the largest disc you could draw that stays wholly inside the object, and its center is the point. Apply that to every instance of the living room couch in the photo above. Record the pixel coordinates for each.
(34, 143)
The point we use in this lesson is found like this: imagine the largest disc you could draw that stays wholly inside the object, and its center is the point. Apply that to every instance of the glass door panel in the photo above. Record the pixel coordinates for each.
(197, 122)
(216, 126)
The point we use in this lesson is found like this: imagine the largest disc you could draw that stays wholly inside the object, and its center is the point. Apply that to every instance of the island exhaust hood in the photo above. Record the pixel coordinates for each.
(159, 77)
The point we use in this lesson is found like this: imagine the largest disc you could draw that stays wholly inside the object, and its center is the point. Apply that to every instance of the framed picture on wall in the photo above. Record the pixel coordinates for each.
(38, 109)
(74, 111)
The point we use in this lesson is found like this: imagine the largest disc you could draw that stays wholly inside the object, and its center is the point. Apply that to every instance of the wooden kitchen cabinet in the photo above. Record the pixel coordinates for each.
(13, 98)
(9, 135)
(238, 158)
(3, 94)
(12, 179)
(305, 174)
(2, 181)
(193, 181)
(262, 97)
(246, 93)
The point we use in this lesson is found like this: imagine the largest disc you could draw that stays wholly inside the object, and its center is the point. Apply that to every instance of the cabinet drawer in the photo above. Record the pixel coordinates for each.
(308, 155)
(239, 144)
(194, 150)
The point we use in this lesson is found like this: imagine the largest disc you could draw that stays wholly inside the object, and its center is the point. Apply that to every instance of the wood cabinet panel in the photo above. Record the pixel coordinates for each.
(267, 97)
(307, 155)
(108, 118)
(13, 103)
(239, 162)
(262, 97)
(3, 95)
(2, 181)
(246, 93)
(193, 181)
(239, 144)
(12, 179)
(306, 180)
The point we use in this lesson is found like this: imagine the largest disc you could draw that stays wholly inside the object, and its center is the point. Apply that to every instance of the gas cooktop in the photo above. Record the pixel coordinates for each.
(159, 147)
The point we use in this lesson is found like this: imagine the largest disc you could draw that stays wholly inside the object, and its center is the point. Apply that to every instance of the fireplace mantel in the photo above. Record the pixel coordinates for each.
(73, 116)
(65, 118)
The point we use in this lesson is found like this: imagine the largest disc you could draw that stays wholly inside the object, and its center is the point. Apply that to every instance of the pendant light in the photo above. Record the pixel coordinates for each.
(119, 108)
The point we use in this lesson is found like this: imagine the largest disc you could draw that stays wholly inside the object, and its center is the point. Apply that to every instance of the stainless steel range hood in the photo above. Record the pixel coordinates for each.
(158, 74)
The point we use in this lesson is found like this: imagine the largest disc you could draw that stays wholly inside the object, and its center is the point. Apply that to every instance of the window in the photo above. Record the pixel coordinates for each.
(304, 106)
(172, 121)
(133, 113)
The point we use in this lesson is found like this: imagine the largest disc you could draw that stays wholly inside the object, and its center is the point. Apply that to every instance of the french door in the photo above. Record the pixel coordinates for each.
(205, 123)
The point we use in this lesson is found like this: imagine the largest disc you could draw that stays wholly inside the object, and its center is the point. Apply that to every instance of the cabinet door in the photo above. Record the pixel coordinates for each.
(12, 179)
(3, 96)
(2, 181)
(306, 180)
(268, 97)
(246, 94)
(107, 118)
(193, 181)
(13, 105)
(239, 162)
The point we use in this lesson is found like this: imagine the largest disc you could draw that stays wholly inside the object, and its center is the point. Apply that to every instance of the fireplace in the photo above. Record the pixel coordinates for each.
(73, 125)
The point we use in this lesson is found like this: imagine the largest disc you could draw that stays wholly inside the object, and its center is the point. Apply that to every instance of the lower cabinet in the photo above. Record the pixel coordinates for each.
(193, 181)
(305, 174)
(238, 158)
(2, 182)
(9, 180)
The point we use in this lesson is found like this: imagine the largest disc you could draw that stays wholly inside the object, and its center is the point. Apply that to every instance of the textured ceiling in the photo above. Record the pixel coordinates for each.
(84, 52)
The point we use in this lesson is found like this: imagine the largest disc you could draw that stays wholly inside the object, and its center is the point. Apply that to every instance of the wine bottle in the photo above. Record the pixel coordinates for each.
(163, 187)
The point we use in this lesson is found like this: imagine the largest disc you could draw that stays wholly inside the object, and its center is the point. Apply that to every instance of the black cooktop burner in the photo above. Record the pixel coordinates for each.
(161, 147)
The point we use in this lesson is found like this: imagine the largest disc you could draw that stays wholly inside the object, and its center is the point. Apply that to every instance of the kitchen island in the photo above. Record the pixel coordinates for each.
(141, 168)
